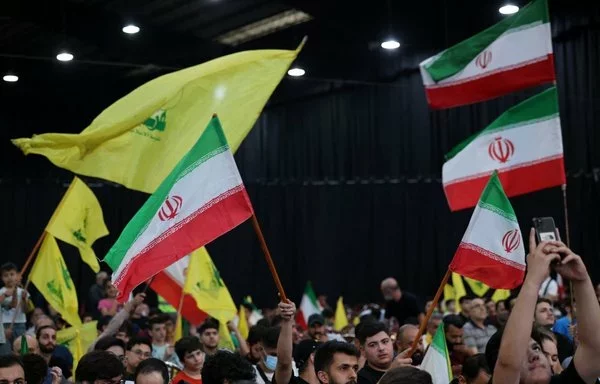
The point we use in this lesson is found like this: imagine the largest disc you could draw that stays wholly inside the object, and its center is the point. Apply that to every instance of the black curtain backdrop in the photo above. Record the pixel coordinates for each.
(345, 182)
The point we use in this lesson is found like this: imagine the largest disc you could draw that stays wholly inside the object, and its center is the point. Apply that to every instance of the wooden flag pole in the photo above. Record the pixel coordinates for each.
(568, 235)
(423, 325)
(270, 263)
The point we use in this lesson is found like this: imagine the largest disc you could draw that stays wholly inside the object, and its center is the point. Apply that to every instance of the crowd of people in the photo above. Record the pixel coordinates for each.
(533, 338)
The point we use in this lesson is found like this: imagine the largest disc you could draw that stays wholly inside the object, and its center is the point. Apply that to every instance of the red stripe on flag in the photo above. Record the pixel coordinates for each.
(300, 321)
(515, 181)
(495, 85)
(201, 230)
(499, 274)
(170, 290)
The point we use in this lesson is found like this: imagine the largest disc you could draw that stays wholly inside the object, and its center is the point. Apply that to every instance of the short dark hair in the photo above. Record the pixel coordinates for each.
(225, 365)
(35, 368)
(327, 313)
(103, 322)
(324, 354)
(406, 375)
(270, 337)
(98, 365)
(128, 328)
(187, 344)
(454, 320)
(465, 298)
(473, 365)
(543, 300)
(139, 341)
(108, 341)
(152, 365)
(448, 302)
(158, 319)
(505, 302)
(369, 329)
(208, 324)
(7, 267)
(11, 360)
(255, 334)
(38, 333)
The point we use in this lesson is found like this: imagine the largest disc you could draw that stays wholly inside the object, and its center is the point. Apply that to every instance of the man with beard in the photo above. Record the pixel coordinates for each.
(46, 337)
(336, 362)
(189, 351)
(544, 318)
(209, 336)
(453, 329)
(404, 339)
(521, 358)
(254, 344)
(378, 348)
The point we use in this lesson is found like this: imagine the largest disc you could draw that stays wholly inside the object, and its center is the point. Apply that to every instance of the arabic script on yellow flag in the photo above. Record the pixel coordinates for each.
(140, 138)
(79, 221)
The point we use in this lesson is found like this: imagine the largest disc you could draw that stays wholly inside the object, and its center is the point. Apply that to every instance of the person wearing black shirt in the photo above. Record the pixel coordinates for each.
(544, 317)
(465, 308)
(399, 304)
(520, 357)
(336, 362)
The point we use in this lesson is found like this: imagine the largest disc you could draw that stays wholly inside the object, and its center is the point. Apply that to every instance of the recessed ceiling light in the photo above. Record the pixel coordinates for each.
(296, 72)
(131, 29)
(64, 56)
(11, 78)
(390, 44)
(508, 9)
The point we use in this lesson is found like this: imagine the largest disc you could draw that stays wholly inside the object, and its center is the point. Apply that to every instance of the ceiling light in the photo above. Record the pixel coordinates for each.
(390, 44)
(264, 27)
(11, 78)
(131, 29)
(64, 56)
(296, 72)
(508, 9)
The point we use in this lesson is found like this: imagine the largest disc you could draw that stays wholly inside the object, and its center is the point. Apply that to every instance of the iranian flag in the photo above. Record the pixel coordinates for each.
(309, 305)
(491, 251)
(201, 199)
(436, 361)
(511, 55)
(524, 145)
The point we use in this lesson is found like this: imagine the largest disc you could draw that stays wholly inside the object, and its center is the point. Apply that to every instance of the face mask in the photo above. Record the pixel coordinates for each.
(271, 362)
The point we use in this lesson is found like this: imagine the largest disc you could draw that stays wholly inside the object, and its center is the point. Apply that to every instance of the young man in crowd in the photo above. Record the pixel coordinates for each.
(138, 350)
(46, 338)
(265, 369)
(113, 345)
(11, 370)
(378, 348)
(459, 352)
(209, 336)
(476, 332)
(190, 354)
(225, 367)
(465, 307)
(544, 318)
(336, 362)
(152, 371)
(254, 344)
(13, 301)
(399, 304)
(520, 357)
(158, 332)
(99, 367)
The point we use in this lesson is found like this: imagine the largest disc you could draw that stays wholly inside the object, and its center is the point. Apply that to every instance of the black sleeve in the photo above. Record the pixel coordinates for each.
(568, 376)
(564, 346)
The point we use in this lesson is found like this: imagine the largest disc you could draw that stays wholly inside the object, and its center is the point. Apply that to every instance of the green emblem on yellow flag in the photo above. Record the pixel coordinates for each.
(157, 122)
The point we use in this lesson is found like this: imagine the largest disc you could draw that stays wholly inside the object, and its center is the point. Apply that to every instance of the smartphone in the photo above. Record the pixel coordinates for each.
(545, 229)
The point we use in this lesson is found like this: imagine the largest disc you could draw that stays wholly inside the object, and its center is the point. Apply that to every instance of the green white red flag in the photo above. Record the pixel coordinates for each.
(201, 199)
(491, 250)
(437, 359)
(514, 54)
(524, 145)
(309, 305)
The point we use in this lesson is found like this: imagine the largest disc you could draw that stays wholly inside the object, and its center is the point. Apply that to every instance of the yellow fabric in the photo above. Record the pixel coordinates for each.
(78, 339)
(51, 277)
(500, 294)
(205, 285)
(178, 328)
(457, 289)
(478, 288)
(341, 319)
(79, 221)
(243, 323)
(138, 140)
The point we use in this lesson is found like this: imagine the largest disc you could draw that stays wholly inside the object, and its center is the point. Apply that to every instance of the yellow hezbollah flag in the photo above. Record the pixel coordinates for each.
(140, 138)
(457, 289)
(205, 285)
(51, 277)
(243, 323)
(341, 319)
(78, 339)
(178, 328)
(78, 220)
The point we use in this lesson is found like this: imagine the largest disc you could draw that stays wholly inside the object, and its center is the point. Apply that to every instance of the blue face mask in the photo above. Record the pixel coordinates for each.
(271, 362)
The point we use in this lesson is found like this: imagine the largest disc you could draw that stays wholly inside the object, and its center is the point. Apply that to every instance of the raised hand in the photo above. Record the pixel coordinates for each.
(539, 260)
(287, 310)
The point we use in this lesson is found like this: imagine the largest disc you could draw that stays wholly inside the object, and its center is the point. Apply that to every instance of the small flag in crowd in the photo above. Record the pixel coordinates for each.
(243, 323)
(79, 221)
(524, 144)
(52, 278)
(459, 286)
(24, 346)
(437, 359)
(200, 200)
(491, 250)
(341, 318)
(514, 54)
(308, 306)
(140, 138)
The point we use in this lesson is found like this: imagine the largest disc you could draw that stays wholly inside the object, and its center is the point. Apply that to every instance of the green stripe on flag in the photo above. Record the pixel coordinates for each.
(439, 344)
(541, 107)
(455, 59)
(211, 142)
(310, 293)
(494, 199)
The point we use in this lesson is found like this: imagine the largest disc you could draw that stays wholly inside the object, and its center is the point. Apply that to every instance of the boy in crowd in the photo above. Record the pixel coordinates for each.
(14, 303)
(138, 350)
(189, 351)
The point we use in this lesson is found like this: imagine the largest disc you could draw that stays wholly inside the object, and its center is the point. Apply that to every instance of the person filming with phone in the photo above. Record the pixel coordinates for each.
(520, 357)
